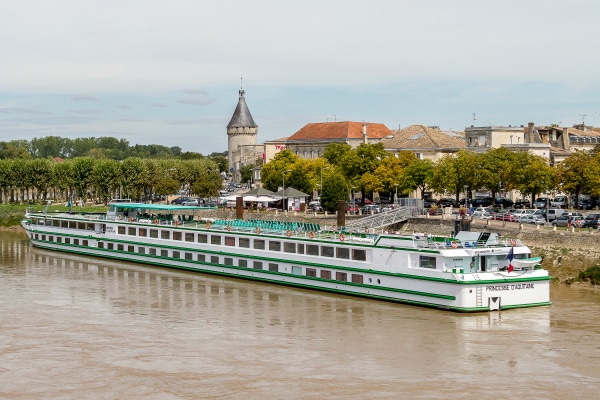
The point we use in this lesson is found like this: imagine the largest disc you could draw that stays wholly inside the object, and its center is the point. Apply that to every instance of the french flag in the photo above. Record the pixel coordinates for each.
(511, 255)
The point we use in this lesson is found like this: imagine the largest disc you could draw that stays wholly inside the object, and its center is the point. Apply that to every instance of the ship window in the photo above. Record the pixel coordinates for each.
(356, 278)
(427, 262)
(109, 246)
(326, 251)
(341, 276)
(214, 259)
(164, 253)
(165, 234)
(51, 238)
(141, 250)
(64, 224)
(202, 238)
(289, 247)
(83, 242)
(189, 256)
(215, 239)
(43, 237)
(244, 242)
(259, 244)
(100, 244)
(229, 241)
(152, 251)
(300, 248)
(311, 272)
(228, 261)
(297, 270)
(359, 255)
(273, 267)
(312, 249)
(81, 225)
(343, 252)
(177, 235)
(243, 263)
(75, 241)
(131, 231)
(143, 232)
(201, 257)
(67, 240)
(130, 249)
(274, 246)
(257, 265)
(121, 230)
(189, 237)
(56, 223)
(176, 254)
(153, 233)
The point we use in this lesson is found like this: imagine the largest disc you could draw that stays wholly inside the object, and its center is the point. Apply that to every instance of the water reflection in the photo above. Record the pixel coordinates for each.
(81, 327)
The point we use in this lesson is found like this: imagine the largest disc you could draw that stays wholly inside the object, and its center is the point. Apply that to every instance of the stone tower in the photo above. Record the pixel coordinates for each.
(241, 131)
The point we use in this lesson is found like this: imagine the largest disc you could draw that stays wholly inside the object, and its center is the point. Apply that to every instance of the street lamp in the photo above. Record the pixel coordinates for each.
(322, 182)
(283, 191)
(466, 196)
(396, 201)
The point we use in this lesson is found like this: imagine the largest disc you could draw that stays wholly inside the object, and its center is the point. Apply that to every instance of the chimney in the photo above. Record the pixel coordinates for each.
(529, 132)
(364, 133)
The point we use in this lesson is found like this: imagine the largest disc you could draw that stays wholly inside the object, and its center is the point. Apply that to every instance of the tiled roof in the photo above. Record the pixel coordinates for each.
(340, 130)
(423, 137)
(577, 132)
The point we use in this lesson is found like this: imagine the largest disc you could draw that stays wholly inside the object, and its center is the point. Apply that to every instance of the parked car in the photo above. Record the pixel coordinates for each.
(352, 208)
(180, 200)
(371, 209)
(522, 203)
(534, 219)
(564, 219)
(314, 206)
(553, 213)
(559, 201)
(427, 203)
(541, 202)
(591, 220)
(446, 202)
(482, 202)
(503, 202)
(191, 202)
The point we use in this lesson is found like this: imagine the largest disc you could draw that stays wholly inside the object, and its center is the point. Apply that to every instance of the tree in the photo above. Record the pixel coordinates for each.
(273, 171)
(335, 152)
(106, 175)
(570, 174)
(497, 170)
(334, 188)
(417, 175)
(83, 175)
(133, 173)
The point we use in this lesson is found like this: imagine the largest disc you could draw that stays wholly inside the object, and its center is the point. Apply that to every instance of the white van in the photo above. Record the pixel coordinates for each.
(554, 213)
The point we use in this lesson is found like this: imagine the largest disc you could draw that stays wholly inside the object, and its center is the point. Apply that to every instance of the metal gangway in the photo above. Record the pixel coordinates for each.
(386, 218)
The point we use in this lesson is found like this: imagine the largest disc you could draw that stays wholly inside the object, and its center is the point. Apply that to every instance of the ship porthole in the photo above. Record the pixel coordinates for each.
(470, 290)
(378, 281)
(370, 280)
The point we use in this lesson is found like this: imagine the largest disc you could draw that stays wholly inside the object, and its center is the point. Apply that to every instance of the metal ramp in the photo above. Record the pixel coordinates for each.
(383, 219)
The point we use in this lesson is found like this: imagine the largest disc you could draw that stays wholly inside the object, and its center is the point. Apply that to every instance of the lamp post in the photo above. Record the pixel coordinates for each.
(283, 191)
(466, 197)
(396, 200)
(322, 182)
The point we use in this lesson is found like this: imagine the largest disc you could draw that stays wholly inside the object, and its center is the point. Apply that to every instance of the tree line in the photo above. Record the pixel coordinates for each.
(368, 168)
(99, 180)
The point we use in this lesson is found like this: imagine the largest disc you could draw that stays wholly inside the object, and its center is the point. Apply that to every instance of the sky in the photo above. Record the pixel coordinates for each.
(169, 72)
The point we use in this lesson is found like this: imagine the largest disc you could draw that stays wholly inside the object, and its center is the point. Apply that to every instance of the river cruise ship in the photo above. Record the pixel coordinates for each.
(469, 272)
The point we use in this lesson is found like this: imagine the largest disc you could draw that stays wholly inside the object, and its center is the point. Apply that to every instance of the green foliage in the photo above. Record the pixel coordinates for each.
(334, 188)
(591, 275)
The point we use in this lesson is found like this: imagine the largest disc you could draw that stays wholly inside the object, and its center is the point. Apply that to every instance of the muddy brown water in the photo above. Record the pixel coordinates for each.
(87, 328)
